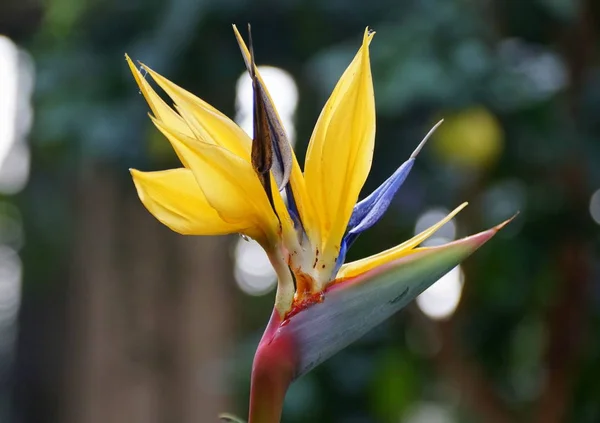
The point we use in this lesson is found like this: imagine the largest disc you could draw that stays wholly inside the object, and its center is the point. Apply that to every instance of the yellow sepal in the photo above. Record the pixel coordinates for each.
(161, 110)
(192, 116)
(175, 199)
(229, 184)
(340, 152)
(360, 266)
(216, 128)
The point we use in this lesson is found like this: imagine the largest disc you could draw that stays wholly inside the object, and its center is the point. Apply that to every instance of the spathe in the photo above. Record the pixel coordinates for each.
(351, 307)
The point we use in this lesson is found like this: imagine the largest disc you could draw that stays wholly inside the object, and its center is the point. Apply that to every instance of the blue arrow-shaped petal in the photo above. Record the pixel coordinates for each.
(368, 211)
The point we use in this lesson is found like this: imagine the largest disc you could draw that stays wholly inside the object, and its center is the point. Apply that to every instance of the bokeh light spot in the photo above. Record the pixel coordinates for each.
(433, 216)
(16, 84)
(253, 271)
(440, 300)
(595, 206)
(11, 270)
(283, 91)
(429, 412)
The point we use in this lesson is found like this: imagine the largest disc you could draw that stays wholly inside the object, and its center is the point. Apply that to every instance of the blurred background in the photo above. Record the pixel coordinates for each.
(107, 317)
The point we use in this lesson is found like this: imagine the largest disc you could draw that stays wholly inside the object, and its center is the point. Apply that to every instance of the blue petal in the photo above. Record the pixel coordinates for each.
(291, 205)
(292, 208)
(341, 257)
(367, 212)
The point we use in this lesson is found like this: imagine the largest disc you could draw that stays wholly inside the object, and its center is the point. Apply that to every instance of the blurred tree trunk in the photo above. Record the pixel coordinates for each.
(149, 315)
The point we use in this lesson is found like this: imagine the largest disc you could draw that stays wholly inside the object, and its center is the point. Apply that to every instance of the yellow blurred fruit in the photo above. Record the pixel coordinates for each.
(472, 137)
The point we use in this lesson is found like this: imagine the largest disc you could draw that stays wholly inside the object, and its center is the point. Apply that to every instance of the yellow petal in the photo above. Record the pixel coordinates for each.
(303, 200)
(229, 184)
(175, 199)
(206, 122)
(406, 248)
(340, 152)
(160, 109)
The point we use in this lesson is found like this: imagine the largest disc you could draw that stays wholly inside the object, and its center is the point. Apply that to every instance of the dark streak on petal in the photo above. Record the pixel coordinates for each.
(262, 146)
(281, 157)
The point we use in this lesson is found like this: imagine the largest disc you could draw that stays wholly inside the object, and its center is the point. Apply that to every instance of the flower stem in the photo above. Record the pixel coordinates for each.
(285, 283)
(272, 372)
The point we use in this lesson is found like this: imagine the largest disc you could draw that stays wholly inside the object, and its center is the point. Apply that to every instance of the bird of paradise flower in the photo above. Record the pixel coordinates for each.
(230, 183)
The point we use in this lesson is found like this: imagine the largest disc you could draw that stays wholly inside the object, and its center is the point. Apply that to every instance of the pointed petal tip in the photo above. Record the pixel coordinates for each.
(425, 139)
(482, 237)
(138, 177)
(129, 60)
(506, 222)
(132, 66)
(368, 36)
(238, 38)
(236, 31)
(136, 174)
